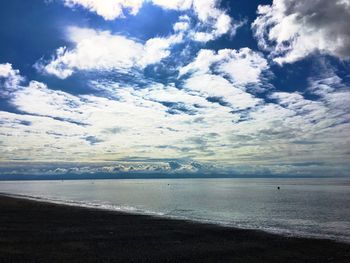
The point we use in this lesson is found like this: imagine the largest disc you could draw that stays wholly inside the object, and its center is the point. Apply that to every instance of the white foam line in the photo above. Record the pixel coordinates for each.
(99, 206)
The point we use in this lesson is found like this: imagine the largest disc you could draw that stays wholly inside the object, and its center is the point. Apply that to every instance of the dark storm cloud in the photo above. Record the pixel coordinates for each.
(331, 16)
(293, 29)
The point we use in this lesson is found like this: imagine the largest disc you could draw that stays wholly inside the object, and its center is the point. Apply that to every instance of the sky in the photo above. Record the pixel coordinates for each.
(175, 87)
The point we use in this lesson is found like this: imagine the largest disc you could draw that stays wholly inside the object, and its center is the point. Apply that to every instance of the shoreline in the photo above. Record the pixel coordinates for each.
(41, 231)
(161, 216)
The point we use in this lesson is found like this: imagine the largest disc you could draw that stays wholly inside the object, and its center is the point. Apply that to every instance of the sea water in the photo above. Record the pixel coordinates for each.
(318, 208)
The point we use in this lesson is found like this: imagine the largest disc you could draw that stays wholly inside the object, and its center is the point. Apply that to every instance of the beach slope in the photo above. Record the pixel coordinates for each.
(33, 231)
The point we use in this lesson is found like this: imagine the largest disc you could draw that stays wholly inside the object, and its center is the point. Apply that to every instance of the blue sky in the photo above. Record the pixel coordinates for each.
(174, 87)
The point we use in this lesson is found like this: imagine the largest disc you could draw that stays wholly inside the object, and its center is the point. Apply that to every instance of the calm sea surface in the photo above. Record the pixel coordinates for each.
(302, 207)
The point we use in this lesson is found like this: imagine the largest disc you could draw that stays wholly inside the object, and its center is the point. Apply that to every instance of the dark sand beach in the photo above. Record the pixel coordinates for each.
(33, 231)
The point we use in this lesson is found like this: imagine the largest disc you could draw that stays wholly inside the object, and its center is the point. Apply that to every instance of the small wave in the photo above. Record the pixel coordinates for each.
(95, 205)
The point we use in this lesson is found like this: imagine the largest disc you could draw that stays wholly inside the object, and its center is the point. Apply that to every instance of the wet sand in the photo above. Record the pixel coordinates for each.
(33, 231)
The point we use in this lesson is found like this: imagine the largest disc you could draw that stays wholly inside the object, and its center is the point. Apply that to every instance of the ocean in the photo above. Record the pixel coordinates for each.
(318, 208)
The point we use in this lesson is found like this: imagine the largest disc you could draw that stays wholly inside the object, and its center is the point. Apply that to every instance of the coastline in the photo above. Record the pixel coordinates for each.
(33, 231)
(134, 211)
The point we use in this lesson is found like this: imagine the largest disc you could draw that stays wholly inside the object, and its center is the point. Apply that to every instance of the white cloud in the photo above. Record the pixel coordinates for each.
(9, 79)
(207, 119)
(101, 50)
(183, 24)
(311, 111)
(47, 102)
(211, 16)
(215, 86)
(242, 66)
(218, 21)
(170, 93)
(108, 9)
(155, 49)
(213, 21)
(201, 64)
(174, 4)
(291, 30)
(323, 116)
(136, 124)
(6, 70)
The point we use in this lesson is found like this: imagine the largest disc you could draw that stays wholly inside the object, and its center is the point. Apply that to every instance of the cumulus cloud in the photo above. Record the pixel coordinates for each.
(175, 4)
(108, 9)
(9, 79)
(242, 66)
(213, 21)
(220, 90)
(104, 51)
(183, 24)
(291, 30)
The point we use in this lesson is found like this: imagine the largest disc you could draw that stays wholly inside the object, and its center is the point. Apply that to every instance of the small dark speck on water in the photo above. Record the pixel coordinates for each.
(278, 188)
